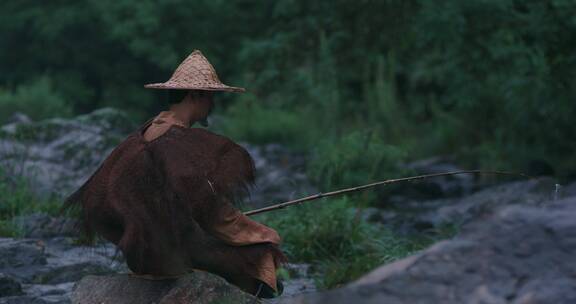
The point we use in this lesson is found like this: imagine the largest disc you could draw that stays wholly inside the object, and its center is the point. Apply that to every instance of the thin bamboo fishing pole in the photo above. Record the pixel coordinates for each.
(386, 182)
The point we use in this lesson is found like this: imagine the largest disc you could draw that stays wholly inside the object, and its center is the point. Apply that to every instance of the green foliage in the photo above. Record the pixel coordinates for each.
(16, 199)
(499, 71)
(251, 121)
(353, 159)
(333, 236)
(489, 81)
(38, 99)
(8, 229)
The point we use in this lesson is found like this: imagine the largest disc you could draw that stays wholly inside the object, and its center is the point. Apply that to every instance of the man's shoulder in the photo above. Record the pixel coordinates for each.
(201, 132)
(197, 152)
(200, 136)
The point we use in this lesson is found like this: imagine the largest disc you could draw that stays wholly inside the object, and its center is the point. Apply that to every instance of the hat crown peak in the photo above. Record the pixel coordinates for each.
(195, 73)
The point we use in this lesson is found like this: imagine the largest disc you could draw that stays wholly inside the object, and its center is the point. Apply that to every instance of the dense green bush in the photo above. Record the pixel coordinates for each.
(488, 81)
(501, 77)
(333, 236)
(353, 159)
(16, 198)
(254, 122)
(38, 99)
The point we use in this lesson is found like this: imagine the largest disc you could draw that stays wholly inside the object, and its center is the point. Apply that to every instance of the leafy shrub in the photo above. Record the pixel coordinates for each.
(36, 99)
(16, 198)
(487, 80)
(333, 236)
(251, 121)
(355, 158)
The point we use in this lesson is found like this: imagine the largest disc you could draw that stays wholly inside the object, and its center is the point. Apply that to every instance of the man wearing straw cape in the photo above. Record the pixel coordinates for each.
(165, 195)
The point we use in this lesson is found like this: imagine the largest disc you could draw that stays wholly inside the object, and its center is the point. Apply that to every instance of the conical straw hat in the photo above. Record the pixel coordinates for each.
(195, 73)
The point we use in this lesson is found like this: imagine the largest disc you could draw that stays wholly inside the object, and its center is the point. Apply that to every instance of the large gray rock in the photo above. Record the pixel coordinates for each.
(21, 258)
(45, 270)
(415, 215)
(280, 175)
(566, 190)
(58, 293)
(534, 192)
(72, 272)
(519, 255)
(9, 286)
(17, 253)
(39, 225)
(438, 187)
(57, 155)
(31, 300)
(18, 117)
(299, 282)
(40, 262)
(197, 287)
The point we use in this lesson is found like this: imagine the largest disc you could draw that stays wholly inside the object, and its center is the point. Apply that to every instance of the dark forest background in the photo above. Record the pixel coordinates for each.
(365, 85)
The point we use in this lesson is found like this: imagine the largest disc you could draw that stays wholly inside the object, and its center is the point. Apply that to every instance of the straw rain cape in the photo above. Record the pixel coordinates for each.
(167, 205)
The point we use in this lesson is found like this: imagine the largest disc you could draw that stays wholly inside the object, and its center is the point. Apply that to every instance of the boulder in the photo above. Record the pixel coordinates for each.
(280, 175)
(197, 287)
(45, 290)
(17, 253)
(9, 286)
(72, 272)
(518, 255)
(297, 281)
(19, 117)
(21, 258)
(50, 262)
(534, 192)
(39, 293)
(39, 225)
(414, 216)
(31, 300)
(438, 187)
(57, 155)
(566, 190)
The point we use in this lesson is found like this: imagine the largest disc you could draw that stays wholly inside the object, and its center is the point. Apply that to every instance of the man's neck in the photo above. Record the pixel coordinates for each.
(181, 114)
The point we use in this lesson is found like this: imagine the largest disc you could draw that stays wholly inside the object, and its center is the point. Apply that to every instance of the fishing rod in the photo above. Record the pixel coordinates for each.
(385, 182)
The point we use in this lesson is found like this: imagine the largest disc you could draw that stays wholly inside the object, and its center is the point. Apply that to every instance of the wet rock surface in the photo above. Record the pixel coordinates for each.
(9, 286)
(39, 225)
(196, 287)
(57, 155)
(279, 175)
(517, 245)
(300, 282)
(413, 216)
(439, 187)
(520, 254)
(46, 270)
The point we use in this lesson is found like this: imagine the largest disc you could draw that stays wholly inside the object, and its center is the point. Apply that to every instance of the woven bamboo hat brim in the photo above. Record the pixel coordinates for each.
(195, 73)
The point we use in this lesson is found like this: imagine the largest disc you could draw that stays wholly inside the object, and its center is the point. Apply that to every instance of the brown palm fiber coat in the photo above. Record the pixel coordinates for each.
(165, 201)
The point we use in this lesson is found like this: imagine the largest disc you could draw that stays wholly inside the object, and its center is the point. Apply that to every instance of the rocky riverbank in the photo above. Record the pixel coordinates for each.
(57, 156)
(516, 243)
(520, 254)
(46, 271)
